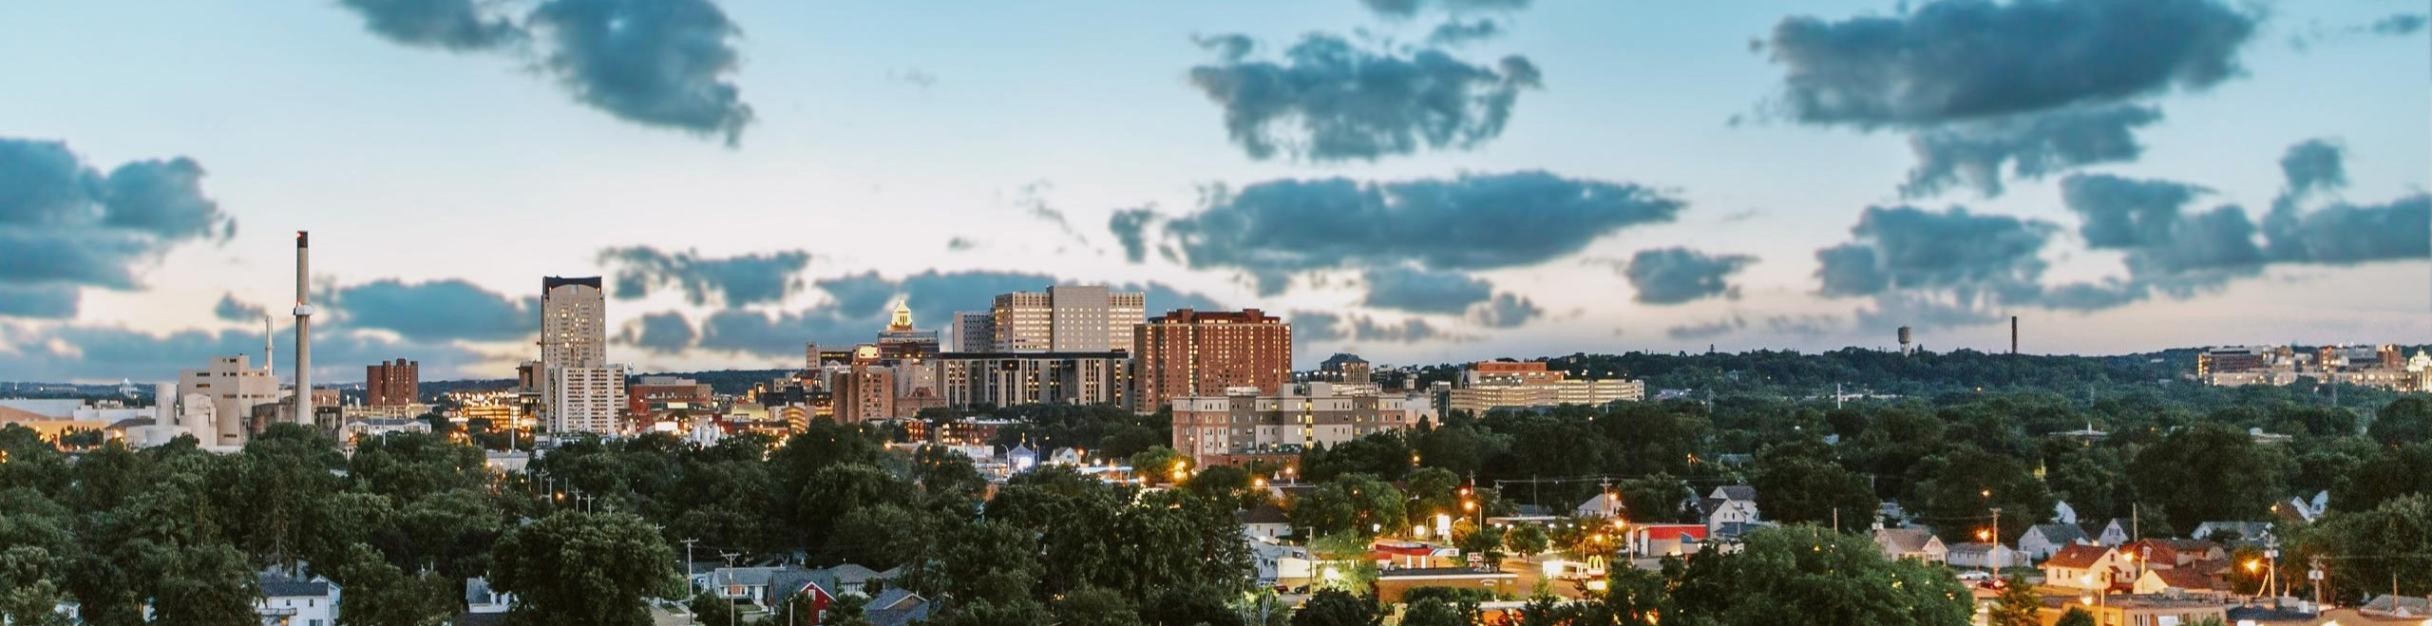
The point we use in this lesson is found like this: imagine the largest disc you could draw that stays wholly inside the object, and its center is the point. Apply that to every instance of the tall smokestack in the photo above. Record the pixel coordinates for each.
(2013, 334)
(303, 328)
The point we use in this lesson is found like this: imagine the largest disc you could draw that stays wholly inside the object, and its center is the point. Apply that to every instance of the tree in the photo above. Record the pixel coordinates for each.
(1160, 465)
(1221, 483)
(2075, 617)
(1334, 607)
(1962, 485)
(1810, 575)
(2404, 421)
(2209, 472)
(1189, 606)
(833, 490)
(574, 569)
(1350, 503)
(1799, 482)
(380, 594)
(2399, 526)
(1486, 542)
(1433, 612)
(1528, 539)
(1096, 607)
(2018, 604)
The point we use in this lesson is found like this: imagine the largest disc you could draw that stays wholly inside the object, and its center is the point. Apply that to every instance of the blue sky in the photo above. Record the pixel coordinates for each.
(921, 150)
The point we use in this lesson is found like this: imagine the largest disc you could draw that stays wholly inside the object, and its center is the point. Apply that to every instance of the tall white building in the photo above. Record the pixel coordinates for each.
(580, 391)
(1064, 318)
(232, 386)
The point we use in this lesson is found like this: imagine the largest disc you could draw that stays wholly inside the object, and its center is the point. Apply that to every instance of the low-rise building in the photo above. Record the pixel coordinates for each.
(2042, 540)
(1915, 544)
(1992, 556)
(1245, 425)
(291, 601)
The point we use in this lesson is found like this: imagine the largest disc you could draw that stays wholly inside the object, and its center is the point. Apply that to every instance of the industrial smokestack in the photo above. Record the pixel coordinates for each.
(2013, 334)
(303, 328)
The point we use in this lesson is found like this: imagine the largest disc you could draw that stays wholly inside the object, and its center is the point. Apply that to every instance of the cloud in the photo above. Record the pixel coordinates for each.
(740, 280)
(1965, 59)
(663, 333)
(1677, 275)
(1407, 8)
(959, 244)
(915, 77)
(859, 308)
(1708, 330)
(2399, 25)
(437, 311)
(1031, 197)
(1458, 33)
(1473, 222)
(53, 301)
(1313, 325)
(1972, 154)
(1923, 311)
(233, 310)
(75, 352)
(1422, 291)
(1506, 311)
(1412, 330)
(1909, 248)
(64, 223)
(656, 62)
(2314, 165)
(1330, 101)
(2146, 219)
(1130, 227)
(448, 24)
(2343, 233)
(1809, 326)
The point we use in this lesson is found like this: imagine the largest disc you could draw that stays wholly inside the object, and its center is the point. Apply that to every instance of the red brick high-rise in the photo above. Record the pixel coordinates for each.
(1201, 353)
(393, 383)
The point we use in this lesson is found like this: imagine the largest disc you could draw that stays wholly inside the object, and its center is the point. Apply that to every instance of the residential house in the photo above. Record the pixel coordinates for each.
(1603, 506)
(1916, 544)
(895, 606)
(1276, 563)
(1264, 521)
(2085, 567)
(2064, 514)
(1022, 457)
(1729, 504)
(2042, 540)
(480, 598)
(2168, 553)
(2153, 610)
(1068, 457)
(291, 601)
(2227, 532)
(2115, 533)
(1982, 555)
(2184, 581)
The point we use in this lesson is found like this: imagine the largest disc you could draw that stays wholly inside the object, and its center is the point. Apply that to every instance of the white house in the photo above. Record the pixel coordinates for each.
(1916, 544)
(1604, 505)
(2042, 540)
(2115, 533)
(289, 601)
(480, 598)
(1280, 564)
(1265, 522)
(1730, 504)
(2233, 531)
(2084, 567)
(1982, 555)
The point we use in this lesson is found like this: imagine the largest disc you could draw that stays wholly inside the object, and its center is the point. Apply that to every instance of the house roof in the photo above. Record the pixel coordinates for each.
(1264, 514)
(1904, 540)
(894, 598)
(273, 587)
(912, 612)
(2059, 533)
(1738, 492)
(2187, 578)
(2077, 556)
(1976, 548)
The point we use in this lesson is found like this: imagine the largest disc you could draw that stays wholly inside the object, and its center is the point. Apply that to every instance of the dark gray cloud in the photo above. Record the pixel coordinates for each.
(2095, 296)
(448, 24)
(52, 301)
(1922, 311)
(1407, 8)
(2147, 219)
(1972, 154)
(1677, 275)
(1457, 33)
(234, 310)
(2401, 24)
(1412, 330)
(1477, 221)
(1327, 100)
(65, 223)
(2314, 165)
(859, 308)
(959, 244)
(1966, 59)
(658, 62)
(1506, 311)
(1130, 227)
(1422, 291)
(663, 333)
(1318, 326)
(740, 280)
(74, 352)
(1904, 247)
(2342, 233)
(1707, 330)
(437, 311)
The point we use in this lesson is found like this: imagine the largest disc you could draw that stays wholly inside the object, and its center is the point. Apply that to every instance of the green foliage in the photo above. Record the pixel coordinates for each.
(1434, 612)
(2354, 544)
(2017, 605)
(1096, 607)
(2209, 472)
(1160, 465)
(1785, 575)
(1357, 504)
(582, 568)
(1528, 539)
(2075, 617)
(1336, 608)
(2406, 420)
(1800, 482)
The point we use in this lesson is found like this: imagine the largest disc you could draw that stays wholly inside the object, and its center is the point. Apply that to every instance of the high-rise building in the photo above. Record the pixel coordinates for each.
(233, 386)
(1240, 426)
(1198, 353)
(1064, 318)
(579, 390)
(966, 379)
(395, 383)
(864, 392)
(974, 332)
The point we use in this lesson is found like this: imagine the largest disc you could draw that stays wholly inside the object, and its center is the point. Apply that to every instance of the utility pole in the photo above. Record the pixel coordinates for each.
(730, 580)
(688, 573)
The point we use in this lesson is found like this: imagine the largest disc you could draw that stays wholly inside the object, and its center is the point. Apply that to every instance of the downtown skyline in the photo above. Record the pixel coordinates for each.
(1583, 177)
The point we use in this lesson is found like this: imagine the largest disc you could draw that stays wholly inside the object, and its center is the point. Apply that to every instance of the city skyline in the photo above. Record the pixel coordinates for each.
(1594, 178)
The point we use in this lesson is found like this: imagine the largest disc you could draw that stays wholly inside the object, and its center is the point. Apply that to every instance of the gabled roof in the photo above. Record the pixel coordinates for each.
(1738, 492)
(2187, 578)
(893, 598)
(1976, 548)
(2075, 556)
(2059, 533)
(282, 587)
(1904, 540)
(1264, 514)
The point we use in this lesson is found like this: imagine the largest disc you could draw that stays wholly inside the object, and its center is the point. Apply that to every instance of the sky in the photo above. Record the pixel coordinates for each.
(1415, 181)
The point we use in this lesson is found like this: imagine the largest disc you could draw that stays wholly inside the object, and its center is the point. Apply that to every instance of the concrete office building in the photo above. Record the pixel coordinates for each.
(1188, 353)
(233, 386)
(1242, 426)
(395, 383)
(966, 379)
(1064, 318)
(1490, 385)
(579, 390)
